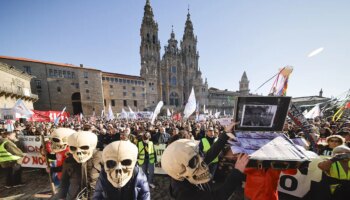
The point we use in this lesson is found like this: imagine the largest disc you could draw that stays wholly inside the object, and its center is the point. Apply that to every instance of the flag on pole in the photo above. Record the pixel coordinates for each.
(22, 109)
(124, 114)
(157, 111)
(177, 117)
(224, 112)
(131, 114)
(168, 114)
(314, 112)
(110, 113)
(57, 119)
(279, 87)
(191, 105)
(217, 114)
(103, 113)
(81, 117)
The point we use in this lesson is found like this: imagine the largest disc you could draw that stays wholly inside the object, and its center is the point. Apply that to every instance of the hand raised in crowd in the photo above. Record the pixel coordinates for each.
(242, 162)
(230, 128)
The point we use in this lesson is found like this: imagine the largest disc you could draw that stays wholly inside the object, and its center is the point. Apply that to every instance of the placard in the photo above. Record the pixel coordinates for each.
(8, 114)
(261, 113)
(32, 157)
(159, 149)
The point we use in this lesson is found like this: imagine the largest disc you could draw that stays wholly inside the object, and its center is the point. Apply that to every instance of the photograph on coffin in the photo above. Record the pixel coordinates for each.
(255, 113)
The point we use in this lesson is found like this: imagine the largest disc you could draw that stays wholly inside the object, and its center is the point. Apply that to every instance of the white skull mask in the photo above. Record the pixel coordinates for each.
(82, 145)
(181, 160)
(59, 139)
(119, 159)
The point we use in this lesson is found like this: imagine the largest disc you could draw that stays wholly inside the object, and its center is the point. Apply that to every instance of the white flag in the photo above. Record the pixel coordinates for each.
(22, 109)
(205, 110)
(110, 113)
(217, 114)
(168, 112)
(314, 112)
(157, 111)
(191, 105)
(103, 113)
(130, 110)
(124, 114)
(131, 114)
(224, 113)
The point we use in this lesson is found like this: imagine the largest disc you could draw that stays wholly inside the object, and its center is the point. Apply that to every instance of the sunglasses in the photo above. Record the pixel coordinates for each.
(337, 141)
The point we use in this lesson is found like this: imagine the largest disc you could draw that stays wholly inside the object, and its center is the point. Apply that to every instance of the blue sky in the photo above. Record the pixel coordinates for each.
(258, 37)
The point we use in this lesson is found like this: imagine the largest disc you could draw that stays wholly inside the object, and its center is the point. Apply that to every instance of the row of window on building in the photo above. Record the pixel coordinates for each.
(125, 103)
(124, 81)
(54, 73)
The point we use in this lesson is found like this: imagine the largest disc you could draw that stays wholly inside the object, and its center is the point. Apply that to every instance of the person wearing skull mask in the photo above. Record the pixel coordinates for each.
(189, 171)
(57, 150)
(81, 169)
(121, 177)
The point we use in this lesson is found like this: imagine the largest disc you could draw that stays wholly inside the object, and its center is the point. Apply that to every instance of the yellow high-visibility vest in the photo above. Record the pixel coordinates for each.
(5, 155)
(141, 156)
(338, 172)
(206, 147)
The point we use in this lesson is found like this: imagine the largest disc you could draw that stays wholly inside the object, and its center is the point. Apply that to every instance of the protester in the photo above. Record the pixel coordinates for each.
(190, 174)
(332, 142)
(205, 144)
(10, 160)
(81, 169)
(338, 167)
(56, 151)
(121, 177)
(147, 157)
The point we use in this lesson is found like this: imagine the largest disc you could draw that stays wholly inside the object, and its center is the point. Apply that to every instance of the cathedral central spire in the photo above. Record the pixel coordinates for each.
(148, 13)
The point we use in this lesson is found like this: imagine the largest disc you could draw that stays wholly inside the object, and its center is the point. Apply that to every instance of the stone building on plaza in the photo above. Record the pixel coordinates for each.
(59, 85)
(123, 91)
(15, 85)
(169, 78)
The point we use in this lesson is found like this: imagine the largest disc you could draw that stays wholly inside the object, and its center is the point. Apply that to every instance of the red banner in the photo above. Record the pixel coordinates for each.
(47, 116)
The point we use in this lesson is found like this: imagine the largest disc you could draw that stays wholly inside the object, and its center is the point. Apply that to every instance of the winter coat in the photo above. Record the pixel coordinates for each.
(136, 189)
(73, 182)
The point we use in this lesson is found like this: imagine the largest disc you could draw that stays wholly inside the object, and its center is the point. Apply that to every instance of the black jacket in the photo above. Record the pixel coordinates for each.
(183, 190)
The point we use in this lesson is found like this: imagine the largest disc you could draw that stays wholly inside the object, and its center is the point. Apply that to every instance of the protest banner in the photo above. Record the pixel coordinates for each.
(298, 185)
(159, 149)
(32, 156)
(8, 114)
(225, 121)
(48, 116)
(297, 116)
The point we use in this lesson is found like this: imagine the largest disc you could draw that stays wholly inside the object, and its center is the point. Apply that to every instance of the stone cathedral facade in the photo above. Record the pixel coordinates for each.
(170, 77)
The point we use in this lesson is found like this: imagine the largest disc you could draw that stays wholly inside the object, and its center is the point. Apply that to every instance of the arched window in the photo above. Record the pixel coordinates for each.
(174, 99)
(148, 37)
(154, 39)
(173, 80)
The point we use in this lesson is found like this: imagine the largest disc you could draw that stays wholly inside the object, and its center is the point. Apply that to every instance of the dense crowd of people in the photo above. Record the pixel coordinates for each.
(110, 136)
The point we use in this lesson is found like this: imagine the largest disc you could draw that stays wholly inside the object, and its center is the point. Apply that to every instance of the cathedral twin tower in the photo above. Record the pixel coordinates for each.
(171, 77)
